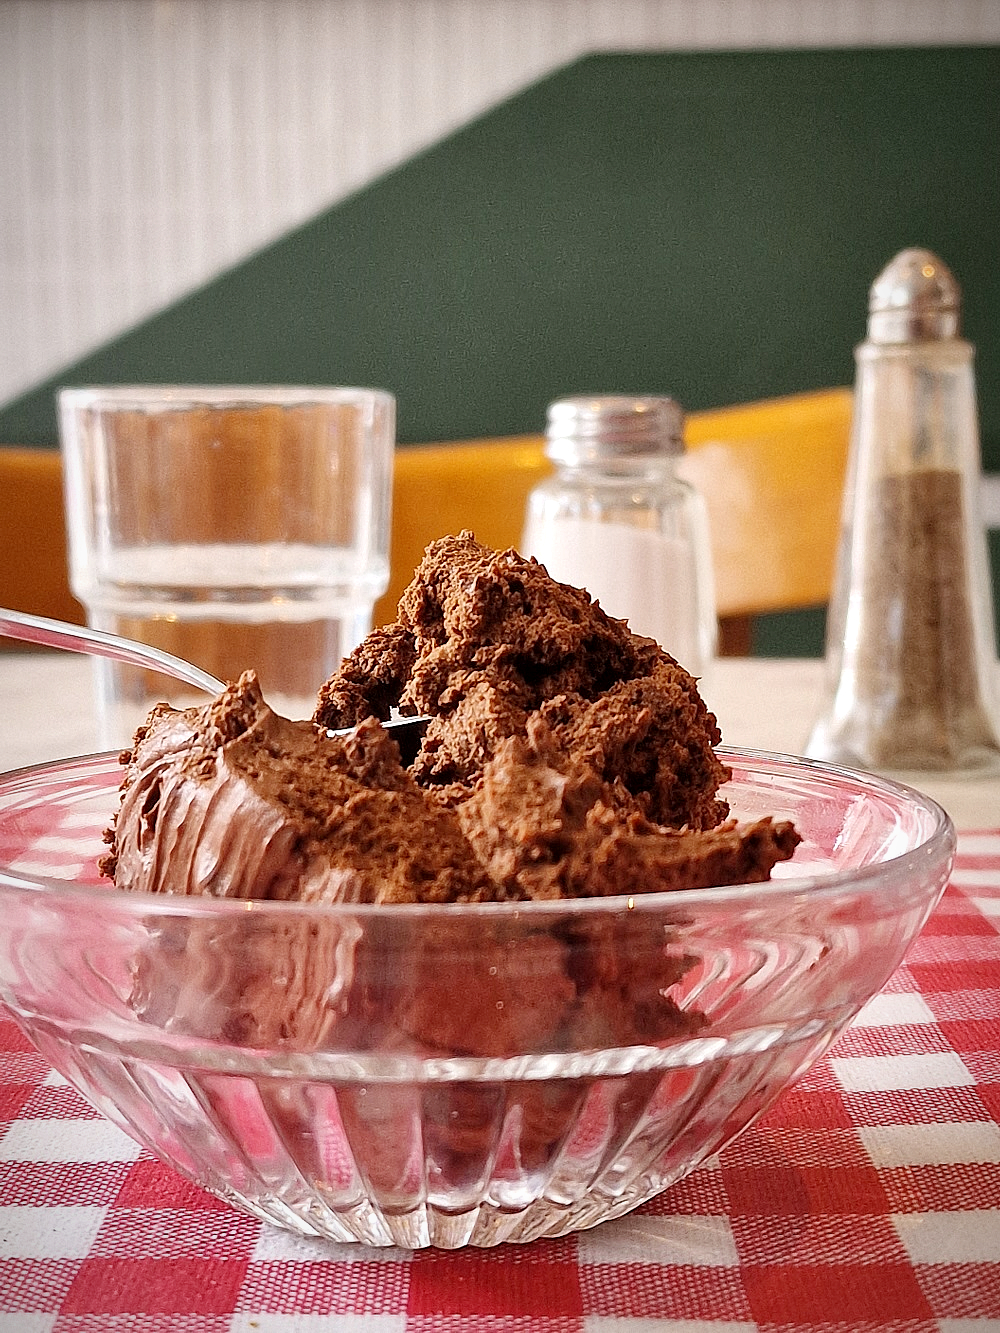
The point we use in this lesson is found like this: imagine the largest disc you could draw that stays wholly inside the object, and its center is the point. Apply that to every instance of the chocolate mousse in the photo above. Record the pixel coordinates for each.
(485, 640)
(233, 801)
(564, 758)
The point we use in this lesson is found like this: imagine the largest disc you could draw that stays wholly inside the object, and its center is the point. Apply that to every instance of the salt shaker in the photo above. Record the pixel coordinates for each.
(910, 638)
(616, 519)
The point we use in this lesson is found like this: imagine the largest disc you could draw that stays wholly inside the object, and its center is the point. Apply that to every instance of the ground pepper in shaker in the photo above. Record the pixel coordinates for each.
(910, 637)
(616, 519)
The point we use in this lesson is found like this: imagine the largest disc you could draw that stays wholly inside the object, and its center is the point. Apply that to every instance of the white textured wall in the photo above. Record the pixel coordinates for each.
(147, 144)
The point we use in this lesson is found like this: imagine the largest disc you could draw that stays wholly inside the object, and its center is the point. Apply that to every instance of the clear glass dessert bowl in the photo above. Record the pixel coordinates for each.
(454, 1075)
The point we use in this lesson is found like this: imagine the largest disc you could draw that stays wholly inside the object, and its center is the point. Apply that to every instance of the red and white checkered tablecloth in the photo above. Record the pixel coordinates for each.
(867, 1199)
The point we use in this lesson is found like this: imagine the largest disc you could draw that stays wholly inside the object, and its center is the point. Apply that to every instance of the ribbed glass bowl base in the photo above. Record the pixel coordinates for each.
(444, 1164)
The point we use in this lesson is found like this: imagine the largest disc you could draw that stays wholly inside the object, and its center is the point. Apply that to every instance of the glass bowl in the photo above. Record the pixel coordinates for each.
(455, 1075)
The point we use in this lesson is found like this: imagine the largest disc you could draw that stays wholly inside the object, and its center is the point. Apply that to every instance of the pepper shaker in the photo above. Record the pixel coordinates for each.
(910, 653)
(616, 519)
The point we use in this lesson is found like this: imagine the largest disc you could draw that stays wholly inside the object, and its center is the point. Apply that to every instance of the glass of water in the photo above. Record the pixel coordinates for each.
(237, 527)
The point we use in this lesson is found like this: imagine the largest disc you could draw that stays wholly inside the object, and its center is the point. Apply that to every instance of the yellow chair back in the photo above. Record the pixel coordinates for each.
(34, 574)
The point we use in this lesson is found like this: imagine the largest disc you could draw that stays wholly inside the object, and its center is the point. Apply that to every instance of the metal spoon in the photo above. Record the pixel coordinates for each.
(408, 731)
(81, 639)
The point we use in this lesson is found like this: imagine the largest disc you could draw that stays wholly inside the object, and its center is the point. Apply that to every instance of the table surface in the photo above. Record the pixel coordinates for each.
(867, 1199)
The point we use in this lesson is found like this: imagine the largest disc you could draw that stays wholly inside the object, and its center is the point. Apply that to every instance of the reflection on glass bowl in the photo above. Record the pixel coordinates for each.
(453, 1075)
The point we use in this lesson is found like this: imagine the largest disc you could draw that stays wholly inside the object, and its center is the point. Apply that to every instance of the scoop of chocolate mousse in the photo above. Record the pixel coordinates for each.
(544, 827)
(232, 801)
(485, 639)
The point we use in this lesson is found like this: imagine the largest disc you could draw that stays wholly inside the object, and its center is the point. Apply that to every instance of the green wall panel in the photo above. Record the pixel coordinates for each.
(706, 224)
(790, 633)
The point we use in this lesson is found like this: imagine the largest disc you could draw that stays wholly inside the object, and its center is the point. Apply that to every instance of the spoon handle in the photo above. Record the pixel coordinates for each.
(78, 639)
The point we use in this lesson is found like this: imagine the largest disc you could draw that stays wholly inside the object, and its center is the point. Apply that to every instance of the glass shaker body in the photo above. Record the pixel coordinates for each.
(635, 535)
(910, 638)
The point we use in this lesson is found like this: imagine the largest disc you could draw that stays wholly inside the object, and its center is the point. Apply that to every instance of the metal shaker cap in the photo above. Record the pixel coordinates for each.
(589, 428)
(914, 299)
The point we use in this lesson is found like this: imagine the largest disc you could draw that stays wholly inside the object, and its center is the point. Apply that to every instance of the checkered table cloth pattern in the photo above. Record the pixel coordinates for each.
(867, 1199)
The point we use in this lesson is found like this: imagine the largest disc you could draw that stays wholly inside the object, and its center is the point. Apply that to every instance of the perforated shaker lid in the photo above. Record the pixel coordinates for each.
(914, 299)
(588, 428)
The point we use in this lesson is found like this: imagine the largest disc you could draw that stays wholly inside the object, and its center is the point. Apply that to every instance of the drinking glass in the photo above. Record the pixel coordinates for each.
(237, 527)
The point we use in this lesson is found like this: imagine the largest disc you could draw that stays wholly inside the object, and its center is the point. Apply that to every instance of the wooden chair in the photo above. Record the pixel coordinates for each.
(772, 474)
